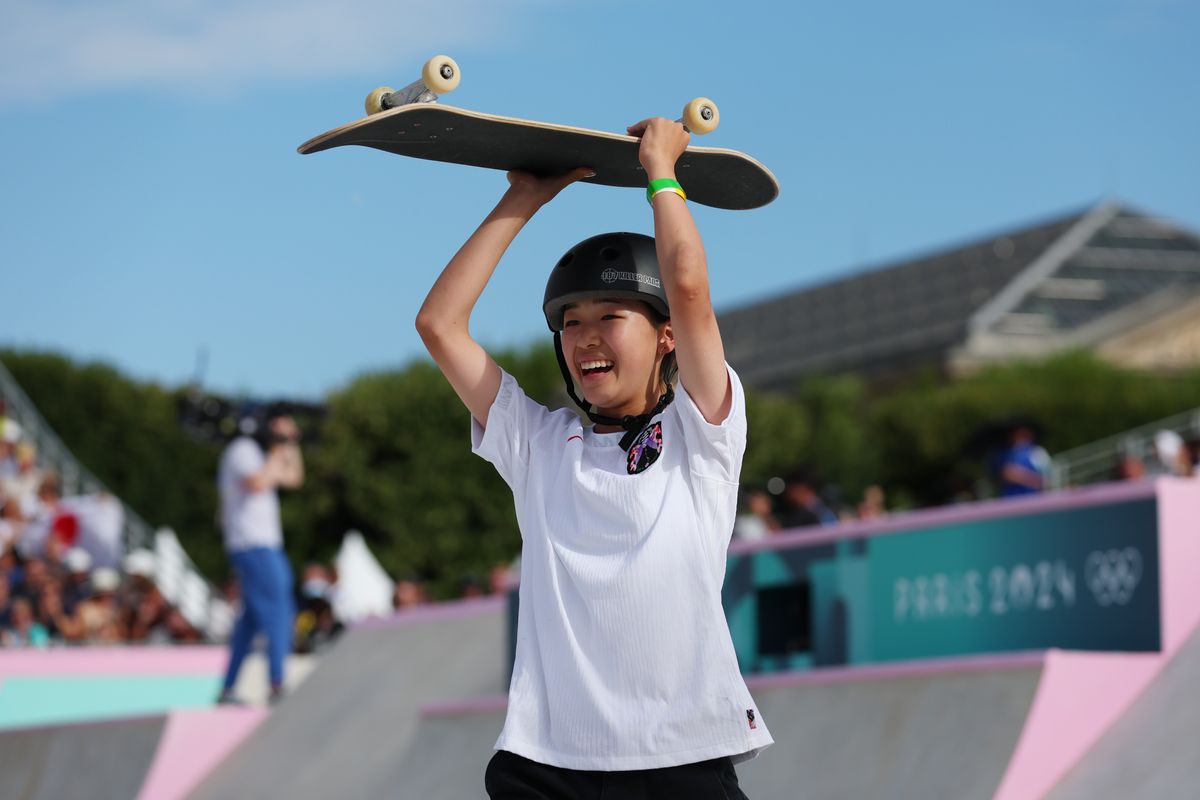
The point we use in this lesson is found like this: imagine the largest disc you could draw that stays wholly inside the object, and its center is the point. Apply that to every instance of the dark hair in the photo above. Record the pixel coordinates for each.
(670, 365)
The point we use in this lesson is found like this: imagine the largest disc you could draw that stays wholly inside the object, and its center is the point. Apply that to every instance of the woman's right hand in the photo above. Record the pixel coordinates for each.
(543, 190)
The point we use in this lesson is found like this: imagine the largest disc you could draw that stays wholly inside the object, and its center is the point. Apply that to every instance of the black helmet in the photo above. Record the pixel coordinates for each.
(609, 265)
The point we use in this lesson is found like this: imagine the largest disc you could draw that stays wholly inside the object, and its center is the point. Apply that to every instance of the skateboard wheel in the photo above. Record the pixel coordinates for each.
(701, 116)
(374, 102)
(440, 74)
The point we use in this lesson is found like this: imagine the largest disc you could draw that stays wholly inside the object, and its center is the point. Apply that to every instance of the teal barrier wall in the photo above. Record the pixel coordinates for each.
(1081, 578)
(1077, 572)
(59, 699)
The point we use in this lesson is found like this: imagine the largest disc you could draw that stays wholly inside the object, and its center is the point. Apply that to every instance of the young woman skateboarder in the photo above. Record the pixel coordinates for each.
(625, 682)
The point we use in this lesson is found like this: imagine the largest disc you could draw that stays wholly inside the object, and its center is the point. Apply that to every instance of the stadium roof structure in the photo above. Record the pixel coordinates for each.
(1109, 279)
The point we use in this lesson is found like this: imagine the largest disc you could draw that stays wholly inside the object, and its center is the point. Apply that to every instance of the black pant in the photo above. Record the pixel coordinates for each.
(512, 777)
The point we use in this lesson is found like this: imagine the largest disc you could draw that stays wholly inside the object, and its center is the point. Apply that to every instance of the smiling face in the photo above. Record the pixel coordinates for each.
(614, 351)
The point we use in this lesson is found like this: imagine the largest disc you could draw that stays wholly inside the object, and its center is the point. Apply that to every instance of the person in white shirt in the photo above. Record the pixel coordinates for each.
(625, 681)
(249, 474)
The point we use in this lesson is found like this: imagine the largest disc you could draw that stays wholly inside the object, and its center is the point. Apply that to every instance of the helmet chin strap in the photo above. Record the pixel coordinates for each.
(632, 425)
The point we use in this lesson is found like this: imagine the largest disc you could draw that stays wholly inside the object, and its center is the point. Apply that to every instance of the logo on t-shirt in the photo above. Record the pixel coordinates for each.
(750, 719)
(646, 449)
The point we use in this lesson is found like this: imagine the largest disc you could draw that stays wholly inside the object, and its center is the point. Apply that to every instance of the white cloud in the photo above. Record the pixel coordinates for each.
(55, 48)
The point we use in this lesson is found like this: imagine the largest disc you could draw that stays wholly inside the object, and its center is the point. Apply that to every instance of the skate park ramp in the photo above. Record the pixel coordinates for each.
(93, 760)
(945, 730)
(410, 707)
(940, 734)
(1151, 752)
(345, 730)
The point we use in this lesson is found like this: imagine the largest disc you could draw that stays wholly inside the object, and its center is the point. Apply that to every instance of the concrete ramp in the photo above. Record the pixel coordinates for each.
(905, 731)
(78, 762)
(895, 734)
(345, 731)
(451, 749)
(1151, 752)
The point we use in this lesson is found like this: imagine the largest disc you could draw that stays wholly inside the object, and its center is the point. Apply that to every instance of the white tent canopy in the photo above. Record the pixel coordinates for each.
(363, 588)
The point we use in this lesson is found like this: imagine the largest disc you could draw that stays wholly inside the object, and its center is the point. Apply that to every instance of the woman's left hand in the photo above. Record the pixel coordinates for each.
(663, 142)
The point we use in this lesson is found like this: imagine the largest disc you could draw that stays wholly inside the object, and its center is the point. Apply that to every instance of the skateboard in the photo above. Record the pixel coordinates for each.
(410, 122)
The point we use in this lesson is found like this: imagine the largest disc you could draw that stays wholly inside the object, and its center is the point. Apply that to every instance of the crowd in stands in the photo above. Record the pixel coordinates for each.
(55, 597)
(1019, 467)
(1170, 455)
(63, 579)
(801, 503)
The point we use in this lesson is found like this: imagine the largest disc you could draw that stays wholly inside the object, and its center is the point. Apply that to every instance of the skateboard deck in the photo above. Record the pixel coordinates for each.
(710, 176)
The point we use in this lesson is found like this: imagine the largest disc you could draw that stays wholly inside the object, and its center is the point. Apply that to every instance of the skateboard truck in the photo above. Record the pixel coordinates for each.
(439, 76)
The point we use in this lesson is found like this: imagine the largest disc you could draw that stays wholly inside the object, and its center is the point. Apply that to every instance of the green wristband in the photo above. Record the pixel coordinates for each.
(663, 185)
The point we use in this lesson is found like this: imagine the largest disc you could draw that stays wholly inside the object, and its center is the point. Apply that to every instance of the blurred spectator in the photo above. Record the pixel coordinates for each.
(179, 630)
(8, 425)
(873, 503)
(78, 584)
(250, 472)
(802, 506)
(99, 614)
(12, 523)
(60, 625)
(316, 625)
(23, 484)
(9, 565)
(1192, 458)
(146, 619)
(1024, 465)
(1130, 468)
(34, 575)
(10, 434)
(410, 593)
(756, 520)
(316, 581)
(1171, 455)
(49, 519)
(23, 629)
(470, 587)
(5, 600)
(498, 579)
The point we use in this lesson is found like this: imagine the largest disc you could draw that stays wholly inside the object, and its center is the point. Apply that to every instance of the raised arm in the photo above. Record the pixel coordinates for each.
(444, 318)
(284, 466)
(698, 348)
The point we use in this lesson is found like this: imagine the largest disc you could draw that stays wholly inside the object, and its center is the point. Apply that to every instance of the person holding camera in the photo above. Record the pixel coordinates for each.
(252, 468)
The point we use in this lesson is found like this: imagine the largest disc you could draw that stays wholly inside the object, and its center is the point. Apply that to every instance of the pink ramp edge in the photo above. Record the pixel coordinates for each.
(193, 742)
(1179, 555)
(93, 661)
(1081, 695)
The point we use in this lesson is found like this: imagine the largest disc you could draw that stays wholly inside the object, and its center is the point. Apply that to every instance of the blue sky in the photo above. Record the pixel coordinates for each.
(153, 205)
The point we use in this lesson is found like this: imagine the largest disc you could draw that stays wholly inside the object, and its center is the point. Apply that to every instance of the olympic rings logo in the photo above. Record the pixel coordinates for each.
(1113, 575)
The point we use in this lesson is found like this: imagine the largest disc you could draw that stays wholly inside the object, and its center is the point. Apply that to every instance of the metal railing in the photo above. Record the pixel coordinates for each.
(1098, 460)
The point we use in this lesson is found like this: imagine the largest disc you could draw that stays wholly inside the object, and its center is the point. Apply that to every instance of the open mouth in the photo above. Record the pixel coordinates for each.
(595, 367)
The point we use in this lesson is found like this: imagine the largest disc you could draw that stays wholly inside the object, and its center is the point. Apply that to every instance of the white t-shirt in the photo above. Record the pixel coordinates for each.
(624, 659)
(250, 519)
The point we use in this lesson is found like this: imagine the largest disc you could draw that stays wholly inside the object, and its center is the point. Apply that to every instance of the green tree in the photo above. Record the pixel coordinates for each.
(1075, 397)
(395, 463)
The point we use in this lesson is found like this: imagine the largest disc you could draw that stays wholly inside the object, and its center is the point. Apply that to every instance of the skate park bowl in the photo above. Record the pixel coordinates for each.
(1041, 647)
